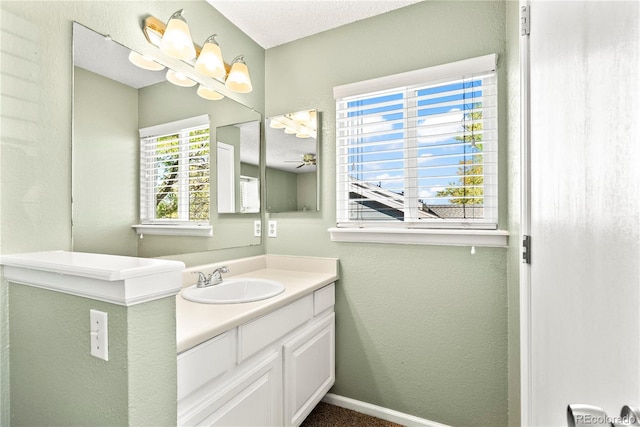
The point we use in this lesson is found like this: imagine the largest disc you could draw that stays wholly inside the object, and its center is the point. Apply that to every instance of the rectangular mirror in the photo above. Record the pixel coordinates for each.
(113, 99)
(292, 146)
(238, 161)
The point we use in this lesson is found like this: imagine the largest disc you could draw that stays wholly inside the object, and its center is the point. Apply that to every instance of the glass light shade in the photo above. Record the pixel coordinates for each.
(208, 93)
(275, 123)
(176, 40)
(179, 79)
(144, 62)
(210, 62)
(313, 120)
(301, 117)
(238, 79)
(303, 134)
(289, 131)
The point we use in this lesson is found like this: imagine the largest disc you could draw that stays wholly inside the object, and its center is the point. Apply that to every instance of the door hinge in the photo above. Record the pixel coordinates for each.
(525, 26)
(526, 249)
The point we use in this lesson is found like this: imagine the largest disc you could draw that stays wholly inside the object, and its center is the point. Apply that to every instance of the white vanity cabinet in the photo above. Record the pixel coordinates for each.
(309, 369)
(270, 371)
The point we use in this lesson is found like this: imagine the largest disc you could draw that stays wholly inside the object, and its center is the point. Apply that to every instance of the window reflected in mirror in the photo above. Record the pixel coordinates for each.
(113, 99)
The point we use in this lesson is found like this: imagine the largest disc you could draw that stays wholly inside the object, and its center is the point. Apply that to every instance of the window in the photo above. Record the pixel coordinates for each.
(174, 173)
(419, 149)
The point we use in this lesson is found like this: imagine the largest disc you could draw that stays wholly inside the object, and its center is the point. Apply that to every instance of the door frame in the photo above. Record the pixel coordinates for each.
(525, 225)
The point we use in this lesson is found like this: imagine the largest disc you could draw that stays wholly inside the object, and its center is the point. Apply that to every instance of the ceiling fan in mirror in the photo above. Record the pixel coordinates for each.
(308, 159)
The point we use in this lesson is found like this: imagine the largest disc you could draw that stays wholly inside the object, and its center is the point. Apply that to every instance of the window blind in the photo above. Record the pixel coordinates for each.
(250, 194)
(174, 172)
(420, 155)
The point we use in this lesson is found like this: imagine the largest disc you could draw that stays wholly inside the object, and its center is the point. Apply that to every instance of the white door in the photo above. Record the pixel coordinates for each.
(226, 178)
(581, 298)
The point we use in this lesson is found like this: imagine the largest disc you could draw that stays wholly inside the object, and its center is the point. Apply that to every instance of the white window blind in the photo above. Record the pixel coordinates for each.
(250, 194)
(174, 172)
(419, 149)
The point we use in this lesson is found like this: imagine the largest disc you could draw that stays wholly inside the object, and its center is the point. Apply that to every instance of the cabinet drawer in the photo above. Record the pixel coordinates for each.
(259, 333)
(204, 363)
(324, 298)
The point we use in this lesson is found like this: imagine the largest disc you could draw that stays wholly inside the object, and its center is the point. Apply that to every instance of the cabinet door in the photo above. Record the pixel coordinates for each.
(309, 369)
(253, 399)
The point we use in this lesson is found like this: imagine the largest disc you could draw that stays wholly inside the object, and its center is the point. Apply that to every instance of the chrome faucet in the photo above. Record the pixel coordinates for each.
(215, 278)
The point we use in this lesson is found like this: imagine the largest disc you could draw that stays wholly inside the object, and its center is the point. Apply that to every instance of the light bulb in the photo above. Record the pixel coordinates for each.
(238, 79)
(276, 123)
(176, 40)
(144, 62)
(208, 93)
(179, 79)
(210, 62)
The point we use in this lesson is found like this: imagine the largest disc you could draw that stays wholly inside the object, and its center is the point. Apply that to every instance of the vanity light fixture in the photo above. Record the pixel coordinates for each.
(144, 62)
(179, 79)
(276, 124)
(302, 135)
(303, 124)
(208, 93)
(238, 79)
(176, 40)
(210, 62)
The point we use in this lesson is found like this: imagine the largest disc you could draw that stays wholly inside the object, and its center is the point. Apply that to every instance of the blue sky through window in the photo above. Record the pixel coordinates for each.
(385, 121)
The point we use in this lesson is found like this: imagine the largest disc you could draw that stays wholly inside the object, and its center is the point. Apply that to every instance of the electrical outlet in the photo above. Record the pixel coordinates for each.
(257, 228)
(273, 229)
(99, 334)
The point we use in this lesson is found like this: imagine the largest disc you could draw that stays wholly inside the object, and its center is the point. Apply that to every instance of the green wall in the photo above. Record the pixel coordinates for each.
(425, 330)
(420, 329)
(283, 190)
(35, 179)
(55, 380)
(105, 193)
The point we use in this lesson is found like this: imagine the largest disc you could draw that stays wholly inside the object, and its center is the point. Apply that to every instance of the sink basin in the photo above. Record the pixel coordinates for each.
(234, 291)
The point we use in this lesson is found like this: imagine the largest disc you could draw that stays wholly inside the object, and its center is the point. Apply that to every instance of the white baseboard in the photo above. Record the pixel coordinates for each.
(379, 412)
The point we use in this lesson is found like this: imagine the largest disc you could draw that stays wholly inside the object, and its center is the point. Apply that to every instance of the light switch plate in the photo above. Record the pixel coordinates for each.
(273, 229)
(99, 333)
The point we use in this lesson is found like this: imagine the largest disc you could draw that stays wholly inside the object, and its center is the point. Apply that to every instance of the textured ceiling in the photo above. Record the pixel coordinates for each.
(273, 22)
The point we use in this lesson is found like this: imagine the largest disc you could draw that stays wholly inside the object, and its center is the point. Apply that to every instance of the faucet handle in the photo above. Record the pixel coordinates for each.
(218, 272)
(202, 279)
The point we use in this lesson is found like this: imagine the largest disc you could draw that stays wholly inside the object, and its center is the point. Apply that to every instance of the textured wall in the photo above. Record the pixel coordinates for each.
(36, 108)
(56, 381)
(420, 329)
(105, 128)
(51, 364)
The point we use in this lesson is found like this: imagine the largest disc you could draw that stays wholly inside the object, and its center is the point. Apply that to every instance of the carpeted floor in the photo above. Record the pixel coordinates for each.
(326, 415)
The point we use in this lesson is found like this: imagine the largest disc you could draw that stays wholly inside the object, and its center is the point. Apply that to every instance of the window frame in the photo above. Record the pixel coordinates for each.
(464, 232)
(181, 226)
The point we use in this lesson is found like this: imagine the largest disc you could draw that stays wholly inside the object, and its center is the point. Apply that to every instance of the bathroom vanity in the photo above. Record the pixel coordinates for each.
(259, 363)
(155, 358)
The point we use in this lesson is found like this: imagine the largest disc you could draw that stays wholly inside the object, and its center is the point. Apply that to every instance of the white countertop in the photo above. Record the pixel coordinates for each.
(196, 322)
(97, 266)
(115, 279)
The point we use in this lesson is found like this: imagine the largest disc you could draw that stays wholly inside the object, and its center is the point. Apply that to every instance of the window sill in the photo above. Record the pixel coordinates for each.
(193, 230)
(487, 238)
